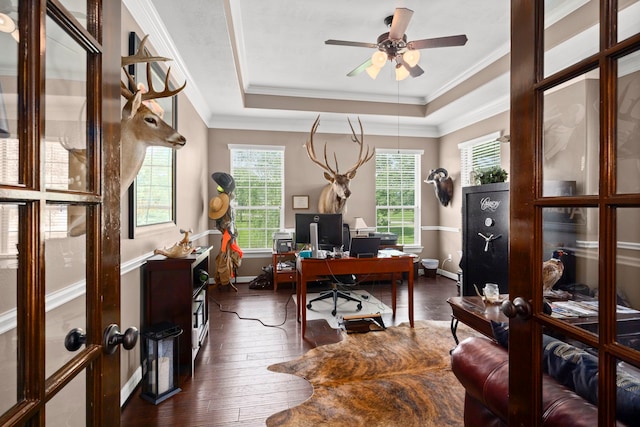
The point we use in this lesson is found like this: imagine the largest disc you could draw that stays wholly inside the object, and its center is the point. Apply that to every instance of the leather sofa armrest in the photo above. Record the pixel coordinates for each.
(482, 367)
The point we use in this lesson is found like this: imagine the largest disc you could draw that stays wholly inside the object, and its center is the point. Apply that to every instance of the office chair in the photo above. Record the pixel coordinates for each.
(348, 280)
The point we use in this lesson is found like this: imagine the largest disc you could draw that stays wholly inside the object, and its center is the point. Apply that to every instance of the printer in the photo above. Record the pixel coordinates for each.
(386, 239)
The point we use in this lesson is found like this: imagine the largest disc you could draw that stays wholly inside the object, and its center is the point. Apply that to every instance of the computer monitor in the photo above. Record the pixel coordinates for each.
(329, 229)
(364, 247)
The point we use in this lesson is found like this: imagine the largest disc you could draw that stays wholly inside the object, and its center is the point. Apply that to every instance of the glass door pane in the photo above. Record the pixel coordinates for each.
(66, 286)
(9, 243)
(571, 32)
(571, 138)
(68, 408)
(9, 145)
(627, 273)
(628, 125)
(65, 112)
(628, 18)
(570, 264)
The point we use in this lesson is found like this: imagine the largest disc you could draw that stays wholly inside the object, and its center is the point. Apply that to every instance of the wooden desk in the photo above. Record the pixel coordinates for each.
(473, 312)
(310, 269)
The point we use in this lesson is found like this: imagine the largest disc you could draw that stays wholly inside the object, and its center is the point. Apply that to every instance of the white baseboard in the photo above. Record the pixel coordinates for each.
(130, 386)
(448, 274)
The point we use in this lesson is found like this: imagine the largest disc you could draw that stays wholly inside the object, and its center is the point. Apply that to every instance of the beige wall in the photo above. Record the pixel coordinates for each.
(450, 217)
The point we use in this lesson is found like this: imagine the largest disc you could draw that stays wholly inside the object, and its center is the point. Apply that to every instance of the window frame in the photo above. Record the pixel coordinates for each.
(239, 208)
(417, 154)
(466, 156)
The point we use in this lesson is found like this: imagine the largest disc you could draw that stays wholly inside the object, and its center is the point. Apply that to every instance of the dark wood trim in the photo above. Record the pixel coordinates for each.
(524, 406)
(109, 281)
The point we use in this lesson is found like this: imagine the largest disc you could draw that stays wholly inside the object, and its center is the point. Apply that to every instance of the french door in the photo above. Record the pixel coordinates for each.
(59, 219)
(575, 181)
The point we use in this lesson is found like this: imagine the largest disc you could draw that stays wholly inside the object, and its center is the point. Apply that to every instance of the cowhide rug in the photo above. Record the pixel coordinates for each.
(398, 377)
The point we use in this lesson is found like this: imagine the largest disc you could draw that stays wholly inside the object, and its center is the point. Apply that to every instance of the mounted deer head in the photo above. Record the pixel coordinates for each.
(140, 126)
(333, 198)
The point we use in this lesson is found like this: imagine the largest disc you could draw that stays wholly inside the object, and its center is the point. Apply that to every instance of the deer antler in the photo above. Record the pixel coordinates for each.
(367, 156)
(143, 56)
(312, 152)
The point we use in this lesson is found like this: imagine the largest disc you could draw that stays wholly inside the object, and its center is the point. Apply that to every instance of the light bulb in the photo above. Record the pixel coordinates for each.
(378, 59)
(401, 72)
(373, 71)
(411, 57)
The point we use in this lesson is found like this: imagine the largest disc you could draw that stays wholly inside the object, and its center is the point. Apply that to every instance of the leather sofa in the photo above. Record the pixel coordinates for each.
(482, 367)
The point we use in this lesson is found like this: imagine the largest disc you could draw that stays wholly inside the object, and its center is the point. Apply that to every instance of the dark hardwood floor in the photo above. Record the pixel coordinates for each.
(232, 386)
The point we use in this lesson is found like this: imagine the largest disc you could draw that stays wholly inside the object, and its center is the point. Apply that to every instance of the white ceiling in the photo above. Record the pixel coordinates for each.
(240, 57)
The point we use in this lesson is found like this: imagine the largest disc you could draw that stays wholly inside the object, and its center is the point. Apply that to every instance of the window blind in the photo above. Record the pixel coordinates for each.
(478, 155)
(259, 195)
(398, 194)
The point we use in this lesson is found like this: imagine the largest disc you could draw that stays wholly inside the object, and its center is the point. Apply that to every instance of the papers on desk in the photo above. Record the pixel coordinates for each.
(563, 309)
(391, 253)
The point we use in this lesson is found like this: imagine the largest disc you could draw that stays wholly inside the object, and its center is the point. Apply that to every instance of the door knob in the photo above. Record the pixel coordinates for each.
(75, 339)
(113, 338)
(519, 307)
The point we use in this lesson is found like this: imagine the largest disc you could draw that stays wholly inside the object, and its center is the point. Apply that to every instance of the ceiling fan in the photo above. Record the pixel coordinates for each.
(393, 46)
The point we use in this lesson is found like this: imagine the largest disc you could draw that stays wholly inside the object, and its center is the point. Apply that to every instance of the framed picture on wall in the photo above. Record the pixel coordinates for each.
(300, 202)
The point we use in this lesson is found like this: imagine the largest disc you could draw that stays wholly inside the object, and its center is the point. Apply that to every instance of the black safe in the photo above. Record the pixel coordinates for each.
(485, 237)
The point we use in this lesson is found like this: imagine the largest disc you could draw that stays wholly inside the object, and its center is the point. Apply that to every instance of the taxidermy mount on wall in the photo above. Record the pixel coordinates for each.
(333, 198)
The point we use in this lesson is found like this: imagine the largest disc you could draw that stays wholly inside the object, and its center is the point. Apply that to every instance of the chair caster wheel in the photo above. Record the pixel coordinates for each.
(359, 307)
(333, 312)
(309, 305)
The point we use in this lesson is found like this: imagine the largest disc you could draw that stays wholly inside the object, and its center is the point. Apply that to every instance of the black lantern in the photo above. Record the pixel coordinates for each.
(161, 365)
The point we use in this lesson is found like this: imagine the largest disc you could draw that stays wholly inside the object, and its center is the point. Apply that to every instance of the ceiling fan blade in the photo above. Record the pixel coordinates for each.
(400, 22)
(460, 40)
(414, 71)
(360, 68)
(347, 43)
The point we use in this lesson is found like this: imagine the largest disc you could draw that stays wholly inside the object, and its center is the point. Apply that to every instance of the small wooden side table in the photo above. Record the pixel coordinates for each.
(475, 313)
(279, 275)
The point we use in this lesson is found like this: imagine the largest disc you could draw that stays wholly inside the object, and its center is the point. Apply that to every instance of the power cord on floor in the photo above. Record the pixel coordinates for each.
(222, 310)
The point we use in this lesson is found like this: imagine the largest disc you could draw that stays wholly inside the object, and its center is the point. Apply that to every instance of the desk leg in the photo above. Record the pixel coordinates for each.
(454, 329)
(394, 292)
(410, 286)
(303, 303)
(298, 295)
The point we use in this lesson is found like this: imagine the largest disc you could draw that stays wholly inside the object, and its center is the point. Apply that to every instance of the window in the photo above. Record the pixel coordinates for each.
(479, 153)
(398, 194)
(259, 195)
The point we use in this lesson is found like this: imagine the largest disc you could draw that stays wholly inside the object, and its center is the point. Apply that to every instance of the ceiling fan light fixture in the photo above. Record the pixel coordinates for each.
(401, 72)
(373, 71)
(379, 58)
(411, 57)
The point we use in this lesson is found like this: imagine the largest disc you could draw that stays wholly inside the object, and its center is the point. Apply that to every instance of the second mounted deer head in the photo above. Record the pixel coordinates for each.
(140, 126)
(333, 198)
